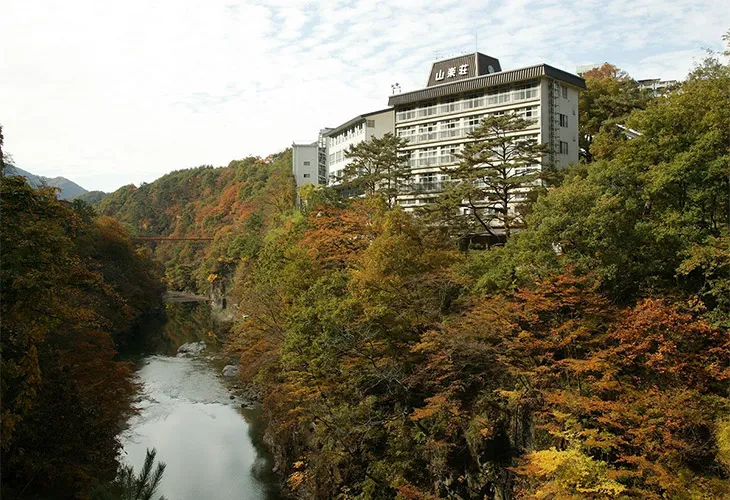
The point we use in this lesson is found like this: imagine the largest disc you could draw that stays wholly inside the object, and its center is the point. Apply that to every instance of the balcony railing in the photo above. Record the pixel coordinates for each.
(451, 133)
(467, 104)
(433, 161)
(425, 187)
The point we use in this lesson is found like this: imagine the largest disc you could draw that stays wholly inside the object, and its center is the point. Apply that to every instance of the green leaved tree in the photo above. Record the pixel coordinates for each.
(131, 486)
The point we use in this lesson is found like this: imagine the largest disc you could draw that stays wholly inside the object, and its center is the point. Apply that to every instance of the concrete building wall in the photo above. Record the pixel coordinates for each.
(383, 122)
(361, 128)
(569, 134)
(556, 99)
(305, 163)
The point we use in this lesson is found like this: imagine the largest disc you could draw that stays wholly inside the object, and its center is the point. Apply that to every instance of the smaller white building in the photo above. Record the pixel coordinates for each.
(657, 86)
(305, 159)
(309, 161)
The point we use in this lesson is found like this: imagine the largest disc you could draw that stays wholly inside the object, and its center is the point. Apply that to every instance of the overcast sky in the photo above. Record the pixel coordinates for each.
(112, 93)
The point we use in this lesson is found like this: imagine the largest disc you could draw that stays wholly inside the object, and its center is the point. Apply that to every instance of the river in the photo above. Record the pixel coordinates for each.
(212, 444)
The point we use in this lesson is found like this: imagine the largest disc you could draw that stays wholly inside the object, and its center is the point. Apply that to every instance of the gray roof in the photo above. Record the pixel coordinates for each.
(490, 80)
(350, 123)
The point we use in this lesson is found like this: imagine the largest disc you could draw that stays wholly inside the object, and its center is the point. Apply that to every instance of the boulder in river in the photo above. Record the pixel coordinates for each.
(230, 371)
(191, 348)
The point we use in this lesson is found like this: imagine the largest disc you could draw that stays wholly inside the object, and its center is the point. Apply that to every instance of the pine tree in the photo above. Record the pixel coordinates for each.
(498, 168)
(378, 166)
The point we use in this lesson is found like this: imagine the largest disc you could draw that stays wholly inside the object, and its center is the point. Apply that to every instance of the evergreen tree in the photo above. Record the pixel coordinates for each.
(378, 166)
(498, 169)
(131, 486)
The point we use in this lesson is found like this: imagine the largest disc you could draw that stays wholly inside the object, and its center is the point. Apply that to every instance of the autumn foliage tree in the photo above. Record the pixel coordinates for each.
(586, 358)
(610, 96)
(72, 287)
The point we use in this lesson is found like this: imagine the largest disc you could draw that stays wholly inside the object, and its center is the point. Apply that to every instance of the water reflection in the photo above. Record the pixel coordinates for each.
(212, 446)
(180, 323)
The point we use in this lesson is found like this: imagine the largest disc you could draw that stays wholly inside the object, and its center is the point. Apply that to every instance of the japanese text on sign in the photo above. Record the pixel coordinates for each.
(451, 72)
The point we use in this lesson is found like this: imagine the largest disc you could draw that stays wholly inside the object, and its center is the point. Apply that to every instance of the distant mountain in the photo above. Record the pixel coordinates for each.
(69, 189)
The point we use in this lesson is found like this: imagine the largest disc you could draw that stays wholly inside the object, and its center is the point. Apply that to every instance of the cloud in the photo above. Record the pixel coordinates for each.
(107, 94)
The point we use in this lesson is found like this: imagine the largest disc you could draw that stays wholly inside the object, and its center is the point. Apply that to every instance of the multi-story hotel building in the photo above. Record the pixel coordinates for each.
(436, 120)
(462, 91)
(361, 128)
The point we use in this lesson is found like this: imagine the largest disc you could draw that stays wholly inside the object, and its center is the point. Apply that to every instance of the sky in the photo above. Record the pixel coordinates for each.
(112, 93)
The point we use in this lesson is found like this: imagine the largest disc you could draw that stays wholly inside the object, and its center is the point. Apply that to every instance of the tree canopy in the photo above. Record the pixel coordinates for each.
(73, 286)
(610, 96)
(378, 165)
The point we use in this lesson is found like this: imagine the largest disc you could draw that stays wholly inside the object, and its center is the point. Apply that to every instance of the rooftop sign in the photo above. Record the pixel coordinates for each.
(462, 67)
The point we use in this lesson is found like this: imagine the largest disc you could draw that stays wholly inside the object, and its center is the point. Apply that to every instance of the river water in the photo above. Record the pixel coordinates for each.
(211, 444)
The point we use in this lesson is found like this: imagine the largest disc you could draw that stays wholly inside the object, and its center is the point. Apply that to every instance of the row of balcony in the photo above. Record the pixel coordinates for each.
(433, 161)
(467, 104)
(451, 133)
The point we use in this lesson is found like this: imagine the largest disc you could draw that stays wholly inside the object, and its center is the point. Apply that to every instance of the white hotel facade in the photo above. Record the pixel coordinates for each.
(460, 92)
(361, 128)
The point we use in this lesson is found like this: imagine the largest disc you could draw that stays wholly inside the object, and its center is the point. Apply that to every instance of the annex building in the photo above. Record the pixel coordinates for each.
(361, 128)
(309, 161)
(321, 162)
(436, 120)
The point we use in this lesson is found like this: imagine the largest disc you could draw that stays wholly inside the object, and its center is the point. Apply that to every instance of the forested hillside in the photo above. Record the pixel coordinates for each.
(73, 289)
(588, 357)
(204, 202)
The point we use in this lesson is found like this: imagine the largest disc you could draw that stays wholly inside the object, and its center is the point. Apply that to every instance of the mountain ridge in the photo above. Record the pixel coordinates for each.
(68, 189)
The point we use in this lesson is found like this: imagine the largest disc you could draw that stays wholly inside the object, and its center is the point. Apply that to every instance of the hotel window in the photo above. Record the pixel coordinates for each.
(448, 154)
(471, 123)
(428, 109)
(406, 114)
(563, 120)
(427, 157)
(528, 113)
(371, 123)
(306, 163)
(473, 100)
(427, 132)
(407, 133)
(449, 128)
(563, 148)
(526, 91)
(306, 176)
(449, 105)
(565, 91)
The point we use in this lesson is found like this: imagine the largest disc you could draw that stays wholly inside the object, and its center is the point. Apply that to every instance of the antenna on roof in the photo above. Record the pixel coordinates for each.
(395, 88)
(476, 40)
